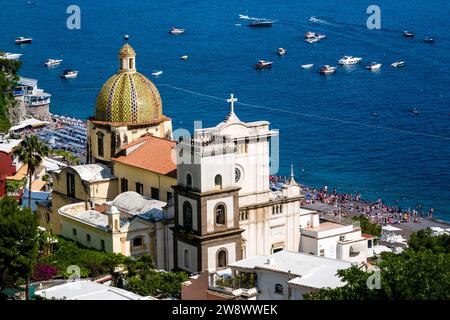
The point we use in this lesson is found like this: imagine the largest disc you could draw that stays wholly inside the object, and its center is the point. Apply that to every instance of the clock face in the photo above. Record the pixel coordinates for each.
(237, 175)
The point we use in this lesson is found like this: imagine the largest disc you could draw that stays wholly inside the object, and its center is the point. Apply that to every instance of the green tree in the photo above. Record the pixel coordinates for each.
(367, 226)
(424, 239)
(30, 152)
(8, 78)
(18, 243)
(155, 283)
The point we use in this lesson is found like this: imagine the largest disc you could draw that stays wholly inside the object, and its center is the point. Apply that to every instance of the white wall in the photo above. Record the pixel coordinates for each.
(193, 255)
(212, 254)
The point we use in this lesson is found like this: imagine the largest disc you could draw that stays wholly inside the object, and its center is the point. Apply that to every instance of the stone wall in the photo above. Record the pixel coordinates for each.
(39, 112)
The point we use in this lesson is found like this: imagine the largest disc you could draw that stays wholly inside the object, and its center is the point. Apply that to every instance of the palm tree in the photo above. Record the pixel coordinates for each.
(30, 152)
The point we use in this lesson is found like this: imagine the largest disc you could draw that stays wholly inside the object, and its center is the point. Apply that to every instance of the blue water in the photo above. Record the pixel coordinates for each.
(327, 146)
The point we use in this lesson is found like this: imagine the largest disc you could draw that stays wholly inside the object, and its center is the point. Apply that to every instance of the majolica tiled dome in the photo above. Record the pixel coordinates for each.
(128, 96)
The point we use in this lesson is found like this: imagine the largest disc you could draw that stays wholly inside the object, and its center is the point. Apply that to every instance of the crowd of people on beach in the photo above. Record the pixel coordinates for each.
(376, 211)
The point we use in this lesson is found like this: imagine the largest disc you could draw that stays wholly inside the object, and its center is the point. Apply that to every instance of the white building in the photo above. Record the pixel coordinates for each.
(131, 224)
(336, 240)
(281, 276)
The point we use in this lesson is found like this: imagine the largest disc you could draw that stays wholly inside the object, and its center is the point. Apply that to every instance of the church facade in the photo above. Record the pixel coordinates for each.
(225, 210)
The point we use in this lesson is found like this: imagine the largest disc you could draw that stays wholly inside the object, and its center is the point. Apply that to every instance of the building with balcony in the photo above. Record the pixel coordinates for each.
(35, 100)
(12, 171)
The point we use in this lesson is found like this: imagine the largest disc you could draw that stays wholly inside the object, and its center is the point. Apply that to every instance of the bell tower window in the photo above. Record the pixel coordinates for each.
(218, 182)
(220, 214)
(187, 215)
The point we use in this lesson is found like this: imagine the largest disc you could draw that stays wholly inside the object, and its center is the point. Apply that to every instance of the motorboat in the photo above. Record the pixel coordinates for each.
(326, 69)
(52, 62)
(21, 40)
(263, 64)
(408, 34)
(428, 40)
(397, 64)
(312, 37)
(10, 56)
(185, 57)
(69, 74)
(347, 60)
(307, 66)
(261, 24)
(157, 73)
(374, 66)
(176, 31)
(414, 111)
(281, 51)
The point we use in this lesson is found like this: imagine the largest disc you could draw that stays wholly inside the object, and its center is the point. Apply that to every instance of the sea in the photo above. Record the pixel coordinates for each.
(351, 130)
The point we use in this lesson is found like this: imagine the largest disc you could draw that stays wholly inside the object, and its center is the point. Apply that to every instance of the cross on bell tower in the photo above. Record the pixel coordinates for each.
(232, 100)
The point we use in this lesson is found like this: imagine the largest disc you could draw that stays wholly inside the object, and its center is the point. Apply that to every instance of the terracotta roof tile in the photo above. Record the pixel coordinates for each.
(155, 154)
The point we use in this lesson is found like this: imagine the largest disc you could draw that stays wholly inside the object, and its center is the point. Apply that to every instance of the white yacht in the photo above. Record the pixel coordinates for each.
(397, 64)
(52, 62)
(312, 40)
(10, 56)
(263, 64)
(157, 73)
(185, 57)
(347, 60)
(281, 51)
(176, 31)
(374, 66)
(69, 74)
(21, 40)
(327, 69)
(307, 66)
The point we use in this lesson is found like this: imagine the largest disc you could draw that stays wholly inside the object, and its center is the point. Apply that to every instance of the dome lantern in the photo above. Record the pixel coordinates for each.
(127, 57)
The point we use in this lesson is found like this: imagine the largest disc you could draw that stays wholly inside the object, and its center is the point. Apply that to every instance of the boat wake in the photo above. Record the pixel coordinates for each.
(317, 20)
(246, 17)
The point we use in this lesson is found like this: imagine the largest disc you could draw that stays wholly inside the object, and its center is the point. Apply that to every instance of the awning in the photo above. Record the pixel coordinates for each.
(29, 123)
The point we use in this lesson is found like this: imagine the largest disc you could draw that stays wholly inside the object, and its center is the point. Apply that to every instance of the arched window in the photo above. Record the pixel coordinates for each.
(188, 181)
(187, 215)
(187, 258)
(279, 289)
(220, 214)
(221, 259)
(218, 182)
(100, 149)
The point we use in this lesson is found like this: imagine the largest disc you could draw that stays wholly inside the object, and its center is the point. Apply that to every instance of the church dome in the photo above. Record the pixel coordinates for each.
(128, 96)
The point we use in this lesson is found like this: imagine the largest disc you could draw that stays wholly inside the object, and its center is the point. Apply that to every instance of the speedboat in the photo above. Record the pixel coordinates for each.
(176, 31)
(263, 64)
(261, 23)
(414, 111)
(185, 57)
(157, 73)
(428, 40)
(374, 66)
(69, 74)
(307, 66)
(21, 40)
(346, 60)
(408, 34)
(10, 56)
(52, 62)
(281, 51)
(326, 69)
(397, 64)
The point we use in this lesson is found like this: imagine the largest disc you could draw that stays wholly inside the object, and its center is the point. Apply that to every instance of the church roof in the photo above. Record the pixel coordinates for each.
(128, 96)
(152, 154)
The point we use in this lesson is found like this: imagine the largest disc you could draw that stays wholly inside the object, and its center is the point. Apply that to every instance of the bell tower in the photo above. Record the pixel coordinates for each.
(206, 234)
